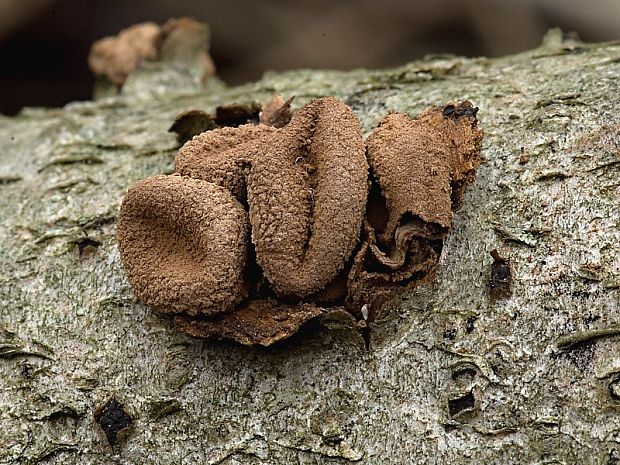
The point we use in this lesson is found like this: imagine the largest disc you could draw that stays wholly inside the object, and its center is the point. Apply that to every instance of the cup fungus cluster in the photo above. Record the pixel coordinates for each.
(262, 228)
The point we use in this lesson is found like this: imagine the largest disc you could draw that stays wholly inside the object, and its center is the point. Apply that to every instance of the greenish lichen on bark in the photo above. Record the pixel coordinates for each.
(451, 375)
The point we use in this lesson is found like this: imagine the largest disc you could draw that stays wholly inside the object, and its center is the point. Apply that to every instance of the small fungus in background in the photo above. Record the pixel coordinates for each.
(181, 41)
(116, 57)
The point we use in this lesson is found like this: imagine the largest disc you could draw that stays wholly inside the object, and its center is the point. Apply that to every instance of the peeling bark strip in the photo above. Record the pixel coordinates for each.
(184, 238)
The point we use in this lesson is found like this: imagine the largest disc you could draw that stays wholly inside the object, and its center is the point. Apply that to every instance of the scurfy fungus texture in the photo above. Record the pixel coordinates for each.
(263, 227)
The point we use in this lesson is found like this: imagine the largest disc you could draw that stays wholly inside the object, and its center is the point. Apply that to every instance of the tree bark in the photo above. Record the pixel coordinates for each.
(455, 373)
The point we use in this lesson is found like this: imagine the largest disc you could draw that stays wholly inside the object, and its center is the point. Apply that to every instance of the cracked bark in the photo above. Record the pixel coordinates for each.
(451, 374)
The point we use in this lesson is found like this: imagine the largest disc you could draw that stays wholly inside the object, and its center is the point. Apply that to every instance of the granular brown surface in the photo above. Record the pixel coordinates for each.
(420, 167)
(305, 188)
(307, 198)
(415, 163)
(183, 242)
(224, 156)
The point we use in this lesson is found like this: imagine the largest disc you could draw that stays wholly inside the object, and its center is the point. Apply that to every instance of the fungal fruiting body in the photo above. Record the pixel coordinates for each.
(184, 245)
(116, 57)
(180, 40)
(261, 228)
(419, 169)
(305, 186)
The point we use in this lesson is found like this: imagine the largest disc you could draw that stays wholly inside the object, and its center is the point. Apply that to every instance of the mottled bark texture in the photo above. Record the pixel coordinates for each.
(453, 374)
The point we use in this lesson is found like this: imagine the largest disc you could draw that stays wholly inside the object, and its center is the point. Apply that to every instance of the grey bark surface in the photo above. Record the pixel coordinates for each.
(451, 375)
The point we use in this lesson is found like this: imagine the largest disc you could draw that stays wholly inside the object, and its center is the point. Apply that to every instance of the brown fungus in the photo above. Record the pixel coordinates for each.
(276, 112)
(262, 321)
(117, 56)
(420, 167)
(183, 245)
(262, 228)
(306, 190)
(179, 41)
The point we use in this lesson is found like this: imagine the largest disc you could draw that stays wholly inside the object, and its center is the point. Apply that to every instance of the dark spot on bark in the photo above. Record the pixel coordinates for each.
(64, 412)
(581, 295)
(500, 285)
(463, 372)
(470, 324)
(449, 334)
(552, 175)
(113, 420)
(364, 331)
(591, 319)
(5, 180)
(579, 353)
(458, 111)
(614, 457)
(614, 388)
(87, 246)
(460, 404)
(449, 427)
(26, 370)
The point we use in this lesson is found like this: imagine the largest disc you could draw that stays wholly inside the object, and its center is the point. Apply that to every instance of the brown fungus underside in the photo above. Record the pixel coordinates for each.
(262, 227)
(276, 112)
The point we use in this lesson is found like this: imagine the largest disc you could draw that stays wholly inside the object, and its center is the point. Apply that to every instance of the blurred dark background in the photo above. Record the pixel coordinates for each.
(44, 43)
